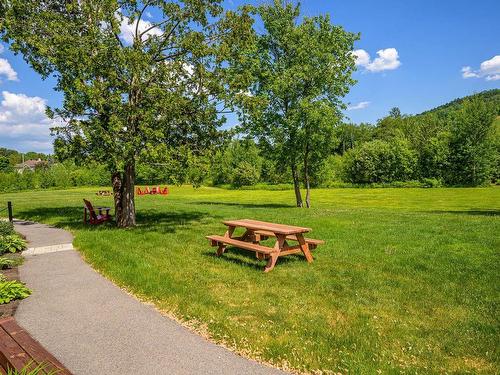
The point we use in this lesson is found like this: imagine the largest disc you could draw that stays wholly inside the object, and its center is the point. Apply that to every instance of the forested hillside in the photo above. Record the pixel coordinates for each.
(490, 96)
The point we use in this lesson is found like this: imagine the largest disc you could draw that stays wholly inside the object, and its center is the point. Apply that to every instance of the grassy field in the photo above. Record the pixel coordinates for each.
(407, 282)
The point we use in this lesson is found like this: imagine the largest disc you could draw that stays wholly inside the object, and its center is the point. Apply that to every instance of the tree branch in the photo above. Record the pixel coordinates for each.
(140, 18)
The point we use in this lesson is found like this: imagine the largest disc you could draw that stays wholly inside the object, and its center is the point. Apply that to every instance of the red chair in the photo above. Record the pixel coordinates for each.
(164, 191)
(93, 218)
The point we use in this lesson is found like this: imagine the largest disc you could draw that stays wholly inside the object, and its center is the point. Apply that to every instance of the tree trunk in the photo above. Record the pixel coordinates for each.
(306, 177)
(123, 189)
(296, 186)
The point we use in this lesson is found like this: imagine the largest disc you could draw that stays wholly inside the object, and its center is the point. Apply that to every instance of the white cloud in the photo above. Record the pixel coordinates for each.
(360, 105)
(494, 77)
(127, 30)
(468, 73)
(2, 48)
(7, 70)
(362, 57)
(23, 121)
(388, 59)
(149, 15)
(489, 70)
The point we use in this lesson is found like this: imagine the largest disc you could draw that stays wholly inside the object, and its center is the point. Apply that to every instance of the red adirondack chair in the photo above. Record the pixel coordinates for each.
(164, 191)
(93, 218)
(138, 191)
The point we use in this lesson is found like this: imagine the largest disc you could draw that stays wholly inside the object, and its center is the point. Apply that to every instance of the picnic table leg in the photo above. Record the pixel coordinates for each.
(304, 246)
(280, 240)
(222, 247)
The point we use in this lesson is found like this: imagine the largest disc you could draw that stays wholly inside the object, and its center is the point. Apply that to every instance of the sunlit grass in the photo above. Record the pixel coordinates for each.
(408, 279)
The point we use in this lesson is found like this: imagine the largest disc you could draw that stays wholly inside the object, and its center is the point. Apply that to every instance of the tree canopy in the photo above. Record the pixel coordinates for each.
(132, 87)
(296, 75)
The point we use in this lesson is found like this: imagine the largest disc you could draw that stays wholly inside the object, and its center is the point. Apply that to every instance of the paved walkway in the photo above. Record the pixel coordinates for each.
(93, 327)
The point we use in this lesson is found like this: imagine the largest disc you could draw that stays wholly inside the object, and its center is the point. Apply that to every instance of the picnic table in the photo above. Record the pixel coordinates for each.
(257, 231)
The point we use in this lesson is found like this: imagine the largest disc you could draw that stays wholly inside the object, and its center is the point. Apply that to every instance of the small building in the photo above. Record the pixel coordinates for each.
(30, 165)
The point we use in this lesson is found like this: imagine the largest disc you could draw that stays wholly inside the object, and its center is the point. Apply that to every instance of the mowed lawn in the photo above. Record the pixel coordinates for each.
(408, 280)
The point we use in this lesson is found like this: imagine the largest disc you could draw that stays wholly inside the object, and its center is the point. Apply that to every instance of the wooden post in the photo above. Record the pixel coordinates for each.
(9, 208)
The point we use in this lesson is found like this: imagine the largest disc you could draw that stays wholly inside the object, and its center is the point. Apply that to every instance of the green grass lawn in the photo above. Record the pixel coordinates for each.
(408, 280)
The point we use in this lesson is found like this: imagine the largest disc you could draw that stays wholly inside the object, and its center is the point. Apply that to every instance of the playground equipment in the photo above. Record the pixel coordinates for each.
(152, 191)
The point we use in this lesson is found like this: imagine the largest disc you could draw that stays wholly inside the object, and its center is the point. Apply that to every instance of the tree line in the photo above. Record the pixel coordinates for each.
(460, 148)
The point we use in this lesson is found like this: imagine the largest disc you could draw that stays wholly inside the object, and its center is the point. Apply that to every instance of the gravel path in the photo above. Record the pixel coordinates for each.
(93, 327)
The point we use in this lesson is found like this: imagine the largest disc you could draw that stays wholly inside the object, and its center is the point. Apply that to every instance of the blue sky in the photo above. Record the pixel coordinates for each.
(412, 54)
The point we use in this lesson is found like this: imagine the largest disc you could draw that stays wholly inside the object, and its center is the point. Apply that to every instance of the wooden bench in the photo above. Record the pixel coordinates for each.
(220, 240)
(262, 235)
(18, 350)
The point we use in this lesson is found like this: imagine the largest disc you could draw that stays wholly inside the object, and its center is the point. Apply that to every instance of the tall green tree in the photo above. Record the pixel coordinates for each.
(132, 86)
(296, 74)
(472, 151)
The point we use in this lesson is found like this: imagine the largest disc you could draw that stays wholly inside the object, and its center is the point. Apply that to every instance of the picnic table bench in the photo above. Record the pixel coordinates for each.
(18, 351)
(257, 231)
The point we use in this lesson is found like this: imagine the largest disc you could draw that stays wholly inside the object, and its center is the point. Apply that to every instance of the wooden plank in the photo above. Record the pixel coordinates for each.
(241, 244)
(11, 354)
(262, 225)
(290, 237)
(33, 348)
(290, 251)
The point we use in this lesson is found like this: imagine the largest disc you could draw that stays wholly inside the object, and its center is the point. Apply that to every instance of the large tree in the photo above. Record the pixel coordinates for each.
(472, 143)
(137, 77)
(296, 74)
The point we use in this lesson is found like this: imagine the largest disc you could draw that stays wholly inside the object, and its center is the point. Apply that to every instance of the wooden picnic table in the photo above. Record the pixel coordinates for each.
(257, 231)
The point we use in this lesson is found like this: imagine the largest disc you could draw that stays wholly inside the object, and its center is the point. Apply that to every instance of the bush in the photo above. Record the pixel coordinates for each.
(432, 182)
(245, 174)
(330, 172)
(11, 244)
(60, 175)
(380, 162)
(6, 228)
(11, 290)
(10, 262)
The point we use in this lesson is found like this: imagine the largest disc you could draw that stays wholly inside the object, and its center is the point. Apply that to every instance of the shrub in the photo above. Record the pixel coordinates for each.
(245, 174)
(380, 162)
(11, 244)
(330, 172)
(8, 263)
(432, 182)
(11, 290)
(6, 228)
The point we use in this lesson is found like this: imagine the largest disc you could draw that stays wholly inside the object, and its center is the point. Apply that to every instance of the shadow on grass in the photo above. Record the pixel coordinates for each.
(473, 212)
(246, 205)
(147, 221)
(248, 259)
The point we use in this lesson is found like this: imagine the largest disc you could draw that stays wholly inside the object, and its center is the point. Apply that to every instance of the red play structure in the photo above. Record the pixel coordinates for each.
(153, 190)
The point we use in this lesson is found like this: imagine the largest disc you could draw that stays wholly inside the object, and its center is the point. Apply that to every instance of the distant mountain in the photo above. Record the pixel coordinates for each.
(491, 96)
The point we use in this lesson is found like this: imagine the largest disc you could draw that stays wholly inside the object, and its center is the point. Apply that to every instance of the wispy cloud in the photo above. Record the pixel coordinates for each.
(489, 70)
(388, 59)
(360, 105)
